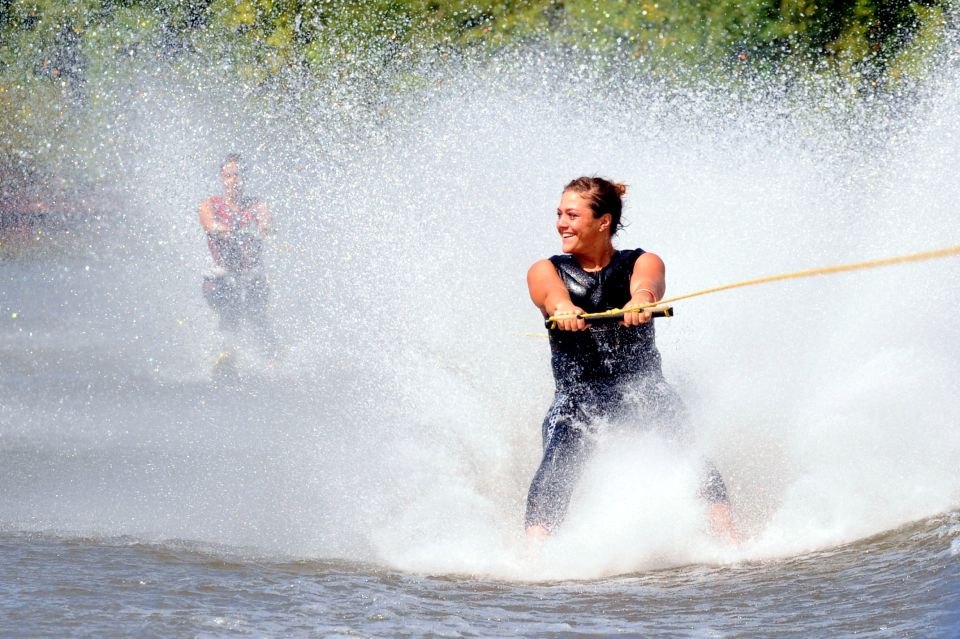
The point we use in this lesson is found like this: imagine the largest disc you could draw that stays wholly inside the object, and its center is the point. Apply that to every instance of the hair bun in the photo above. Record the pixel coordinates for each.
(620, 188)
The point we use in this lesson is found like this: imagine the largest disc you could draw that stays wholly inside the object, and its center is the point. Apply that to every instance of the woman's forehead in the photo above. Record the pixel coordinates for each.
(572, 199)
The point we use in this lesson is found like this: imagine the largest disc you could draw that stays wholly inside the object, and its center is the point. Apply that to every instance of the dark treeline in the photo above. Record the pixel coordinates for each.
(55, 55)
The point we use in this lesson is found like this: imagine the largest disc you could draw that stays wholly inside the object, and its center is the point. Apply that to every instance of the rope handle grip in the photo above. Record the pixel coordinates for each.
(615, 315)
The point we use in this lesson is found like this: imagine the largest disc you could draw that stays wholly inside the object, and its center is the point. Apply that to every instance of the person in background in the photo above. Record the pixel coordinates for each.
(237, 226)
(607, 372)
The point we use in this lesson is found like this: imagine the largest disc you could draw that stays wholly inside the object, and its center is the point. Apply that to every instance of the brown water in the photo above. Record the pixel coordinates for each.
(903, 583)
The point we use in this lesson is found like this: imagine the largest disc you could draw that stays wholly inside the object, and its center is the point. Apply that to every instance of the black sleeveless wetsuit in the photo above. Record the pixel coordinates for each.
(609, 372)
(605, 354)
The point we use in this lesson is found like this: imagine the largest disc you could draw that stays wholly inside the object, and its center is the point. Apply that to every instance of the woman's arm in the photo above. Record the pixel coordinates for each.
(264, 219)
(207, 221)
(647, 284)
(552, 298)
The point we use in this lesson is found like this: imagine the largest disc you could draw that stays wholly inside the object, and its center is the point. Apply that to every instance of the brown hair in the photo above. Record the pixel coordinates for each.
(232, 157)
(603, 196)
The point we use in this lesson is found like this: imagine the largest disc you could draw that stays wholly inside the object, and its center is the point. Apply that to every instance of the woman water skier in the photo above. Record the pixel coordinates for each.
(236, 226)
(608, 372)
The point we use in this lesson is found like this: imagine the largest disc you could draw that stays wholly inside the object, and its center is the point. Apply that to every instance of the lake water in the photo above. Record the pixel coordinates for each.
(373, 483)
(903, 583)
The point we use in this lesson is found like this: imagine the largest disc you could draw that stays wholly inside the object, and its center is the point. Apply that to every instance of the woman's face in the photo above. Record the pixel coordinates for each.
(230, 177)
(579, 230)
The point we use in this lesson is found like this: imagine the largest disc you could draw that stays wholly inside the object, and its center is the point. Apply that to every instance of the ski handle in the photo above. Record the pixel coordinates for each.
(610, 317)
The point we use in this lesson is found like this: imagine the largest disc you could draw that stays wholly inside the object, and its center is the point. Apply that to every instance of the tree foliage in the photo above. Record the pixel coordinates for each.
(54, 54)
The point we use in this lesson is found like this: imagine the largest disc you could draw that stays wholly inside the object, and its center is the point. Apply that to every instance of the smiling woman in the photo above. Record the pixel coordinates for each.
(587, 219)
(609, 372)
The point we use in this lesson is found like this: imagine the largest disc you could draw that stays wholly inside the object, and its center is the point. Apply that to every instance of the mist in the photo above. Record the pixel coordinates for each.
(403, 426)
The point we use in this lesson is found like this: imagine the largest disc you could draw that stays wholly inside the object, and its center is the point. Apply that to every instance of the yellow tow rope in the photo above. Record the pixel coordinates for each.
(810, 272)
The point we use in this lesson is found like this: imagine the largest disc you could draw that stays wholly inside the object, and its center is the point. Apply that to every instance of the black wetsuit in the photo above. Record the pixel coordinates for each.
(608, 372)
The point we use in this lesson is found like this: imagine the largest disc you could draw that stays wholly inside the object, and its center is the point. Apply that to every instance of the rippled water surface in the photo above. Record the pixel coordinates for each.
(373, 482)
(905, 583)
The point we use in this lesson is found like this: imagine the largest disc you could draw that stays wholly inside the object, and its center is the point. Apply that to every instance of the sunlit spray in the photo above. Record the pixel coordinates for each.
(403, 425)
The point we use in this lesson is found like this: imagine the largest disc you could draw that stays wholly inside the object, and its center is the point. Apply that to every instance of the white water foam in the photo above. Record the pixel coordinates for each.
(411, 427)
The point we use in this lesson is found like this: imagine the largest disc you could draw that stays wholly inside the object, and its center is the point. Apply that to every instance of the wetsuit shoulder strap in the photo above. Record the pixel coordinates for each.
(570, 270)
(626, 259)
(580, 285)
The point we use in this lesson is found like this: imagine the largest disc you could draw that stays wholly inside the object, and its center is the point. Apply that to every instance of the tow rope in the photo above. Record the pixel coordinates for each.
(661, 308)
